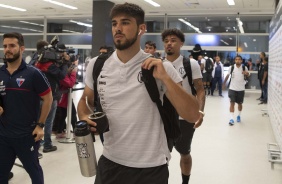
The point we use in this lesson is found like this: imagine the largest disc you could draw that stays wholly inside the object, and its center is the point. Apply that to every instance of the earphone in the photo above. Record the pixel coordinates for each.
(139, 32)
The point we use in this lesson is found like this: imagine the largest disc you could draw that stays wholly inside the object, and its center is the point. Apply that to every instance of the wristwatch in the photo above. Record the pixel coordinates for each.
(40, 124)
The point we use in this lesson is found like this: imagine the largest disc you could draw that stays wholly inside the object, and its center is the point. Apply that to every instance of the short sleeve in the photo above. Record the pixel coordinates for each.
(172, 72)
(40, 83)
(88, 75)
(196, 70)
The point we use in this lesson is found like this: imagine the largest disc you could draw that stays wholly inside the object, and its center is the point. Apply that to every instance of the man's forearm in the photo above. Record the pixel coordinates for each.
(45, 109)
(82, 109)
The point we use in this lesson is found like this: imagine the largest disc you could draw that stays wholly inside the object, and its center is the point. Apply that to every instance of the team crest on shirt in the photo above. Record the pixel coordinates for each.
(20, 81)
(181, 70)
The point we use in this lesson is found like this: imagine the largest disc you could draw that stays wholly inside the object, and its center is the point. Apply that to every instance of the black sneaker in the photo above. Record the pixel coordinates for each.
(11, 175)
(40, 155)
(52, 148)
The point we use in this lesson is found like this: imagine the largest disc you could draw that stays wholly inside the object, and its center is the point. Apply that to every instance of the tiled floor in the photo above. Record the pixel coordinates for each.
(221, 154)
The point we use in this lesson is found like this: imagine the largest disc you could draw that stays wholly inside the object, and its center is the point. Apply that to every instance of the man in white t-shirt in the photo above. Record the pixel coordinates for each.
(236, 90)
(135, 147)
(173, 40)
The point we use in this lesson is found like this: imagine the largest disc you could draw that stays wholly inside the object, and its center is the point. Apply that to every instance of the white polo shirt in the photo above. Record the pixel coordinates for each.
(196, 72)
(136, 137)
(237, 78)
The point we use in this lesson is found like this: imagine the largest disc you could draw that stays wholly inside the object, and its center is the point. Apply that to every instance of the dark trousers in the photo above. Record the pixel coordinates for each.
(27, 151)
(261, 88)
(59, 123)
(217, 80)
(264, 90)
(109, 172)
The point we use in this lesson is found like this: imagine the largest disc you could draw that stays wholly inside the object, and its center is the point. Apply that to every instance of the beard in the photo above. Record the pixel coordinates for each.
(169, 53)
(128, 43)
(14, 58)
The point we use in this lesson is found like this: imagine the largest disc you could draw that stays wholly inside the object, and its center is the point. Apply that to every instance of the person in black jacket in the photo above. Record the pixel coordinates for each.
(54, 71)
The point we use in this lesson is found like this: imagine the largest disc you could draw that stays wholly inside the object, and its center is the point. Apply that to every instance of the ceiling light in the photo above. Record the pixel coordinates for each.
(231, 2)
(61, 4)
(31, 23)
(152, 3)
(240, 25)
(224, 42)
(190, 25)
(12, 27)
(245, 43)
(66, 30)
(81, 23)
(254, 40)
(12, 7)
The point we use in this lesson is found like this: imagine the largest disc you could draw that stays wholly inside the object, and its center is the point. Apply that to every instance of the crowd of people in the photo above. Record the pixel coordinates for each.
(42, 89)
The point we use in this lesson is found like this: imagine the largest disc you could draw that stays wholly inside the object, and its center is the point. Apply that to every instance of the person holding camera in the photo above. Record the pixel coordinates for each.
(59, 123)
(54, 71)
(22, 120)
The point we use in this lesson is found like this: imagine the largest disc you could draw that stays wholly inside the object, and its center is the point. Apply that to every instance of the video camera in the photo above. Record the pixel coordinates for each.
(53, 52)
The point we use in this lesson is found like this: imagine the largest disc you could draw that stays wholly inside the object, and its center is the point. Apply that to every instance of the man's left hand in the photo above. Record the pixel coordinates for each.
(38, 133)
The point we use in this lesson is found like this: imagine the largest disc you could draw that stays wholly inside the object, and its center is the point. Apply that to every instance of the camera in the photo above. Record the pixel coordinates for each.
(53, 52)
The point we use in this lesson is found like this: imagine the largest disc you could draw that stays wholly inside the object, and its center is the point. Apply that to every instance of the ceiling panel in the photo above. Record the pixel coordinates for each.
(40, 7)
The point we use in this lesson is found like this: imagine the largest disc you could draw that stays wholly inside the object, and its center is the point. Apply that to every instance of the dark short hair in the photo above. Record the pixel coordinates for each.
(263, 53)
(108, 48)
(129, 9)
(151, 44)
(16, 35)
(175, 32)
(41, 44)
(239, 57)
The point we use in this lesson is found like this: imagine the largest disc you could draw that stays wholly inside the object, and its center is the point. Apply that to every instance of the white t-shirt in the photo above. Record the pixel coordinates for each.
(203, 61)
(136, 137)
(237, 78)
(196, 72)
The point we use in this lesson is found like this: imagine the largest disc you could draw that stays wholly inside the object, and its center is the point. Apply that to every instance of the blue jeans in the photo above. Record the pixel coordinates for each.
(217, 80)
(49, 125)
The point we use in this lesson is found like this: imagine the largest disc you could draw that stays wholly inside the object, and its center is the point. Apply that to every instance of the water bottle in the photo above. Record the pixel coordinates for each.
(85, 149)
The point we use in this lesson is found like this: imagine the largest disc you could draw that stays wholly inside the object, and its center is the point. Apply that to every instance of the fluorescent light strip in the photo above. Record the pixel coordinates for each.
(240, 25)
(34, 30)
(61, 4)
(224, 42)
(190, 25)
(31, 23)
(12, 7)
(231, 2)
(65, 30)
(153, 3)
(245, 43)
(81, 23)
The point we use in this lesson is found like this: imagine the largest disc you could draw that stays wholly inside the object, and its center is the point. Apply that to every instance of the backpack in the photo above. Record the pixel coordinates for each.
(245, 77)
(188, 71)
(209, 66)
(167, 111)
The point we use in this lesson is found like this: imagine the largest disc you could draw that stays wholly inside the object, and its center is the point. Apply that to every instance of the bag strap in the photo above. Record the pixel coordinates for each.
(99, 63)
(188, 71)
(152, 88)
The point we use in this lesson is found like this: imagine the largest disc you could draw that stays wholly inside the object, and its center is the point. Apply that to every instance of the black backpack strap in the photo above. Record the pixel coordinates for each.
(166, 110)
(188, 71)
(99, 63)
(232, 68)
